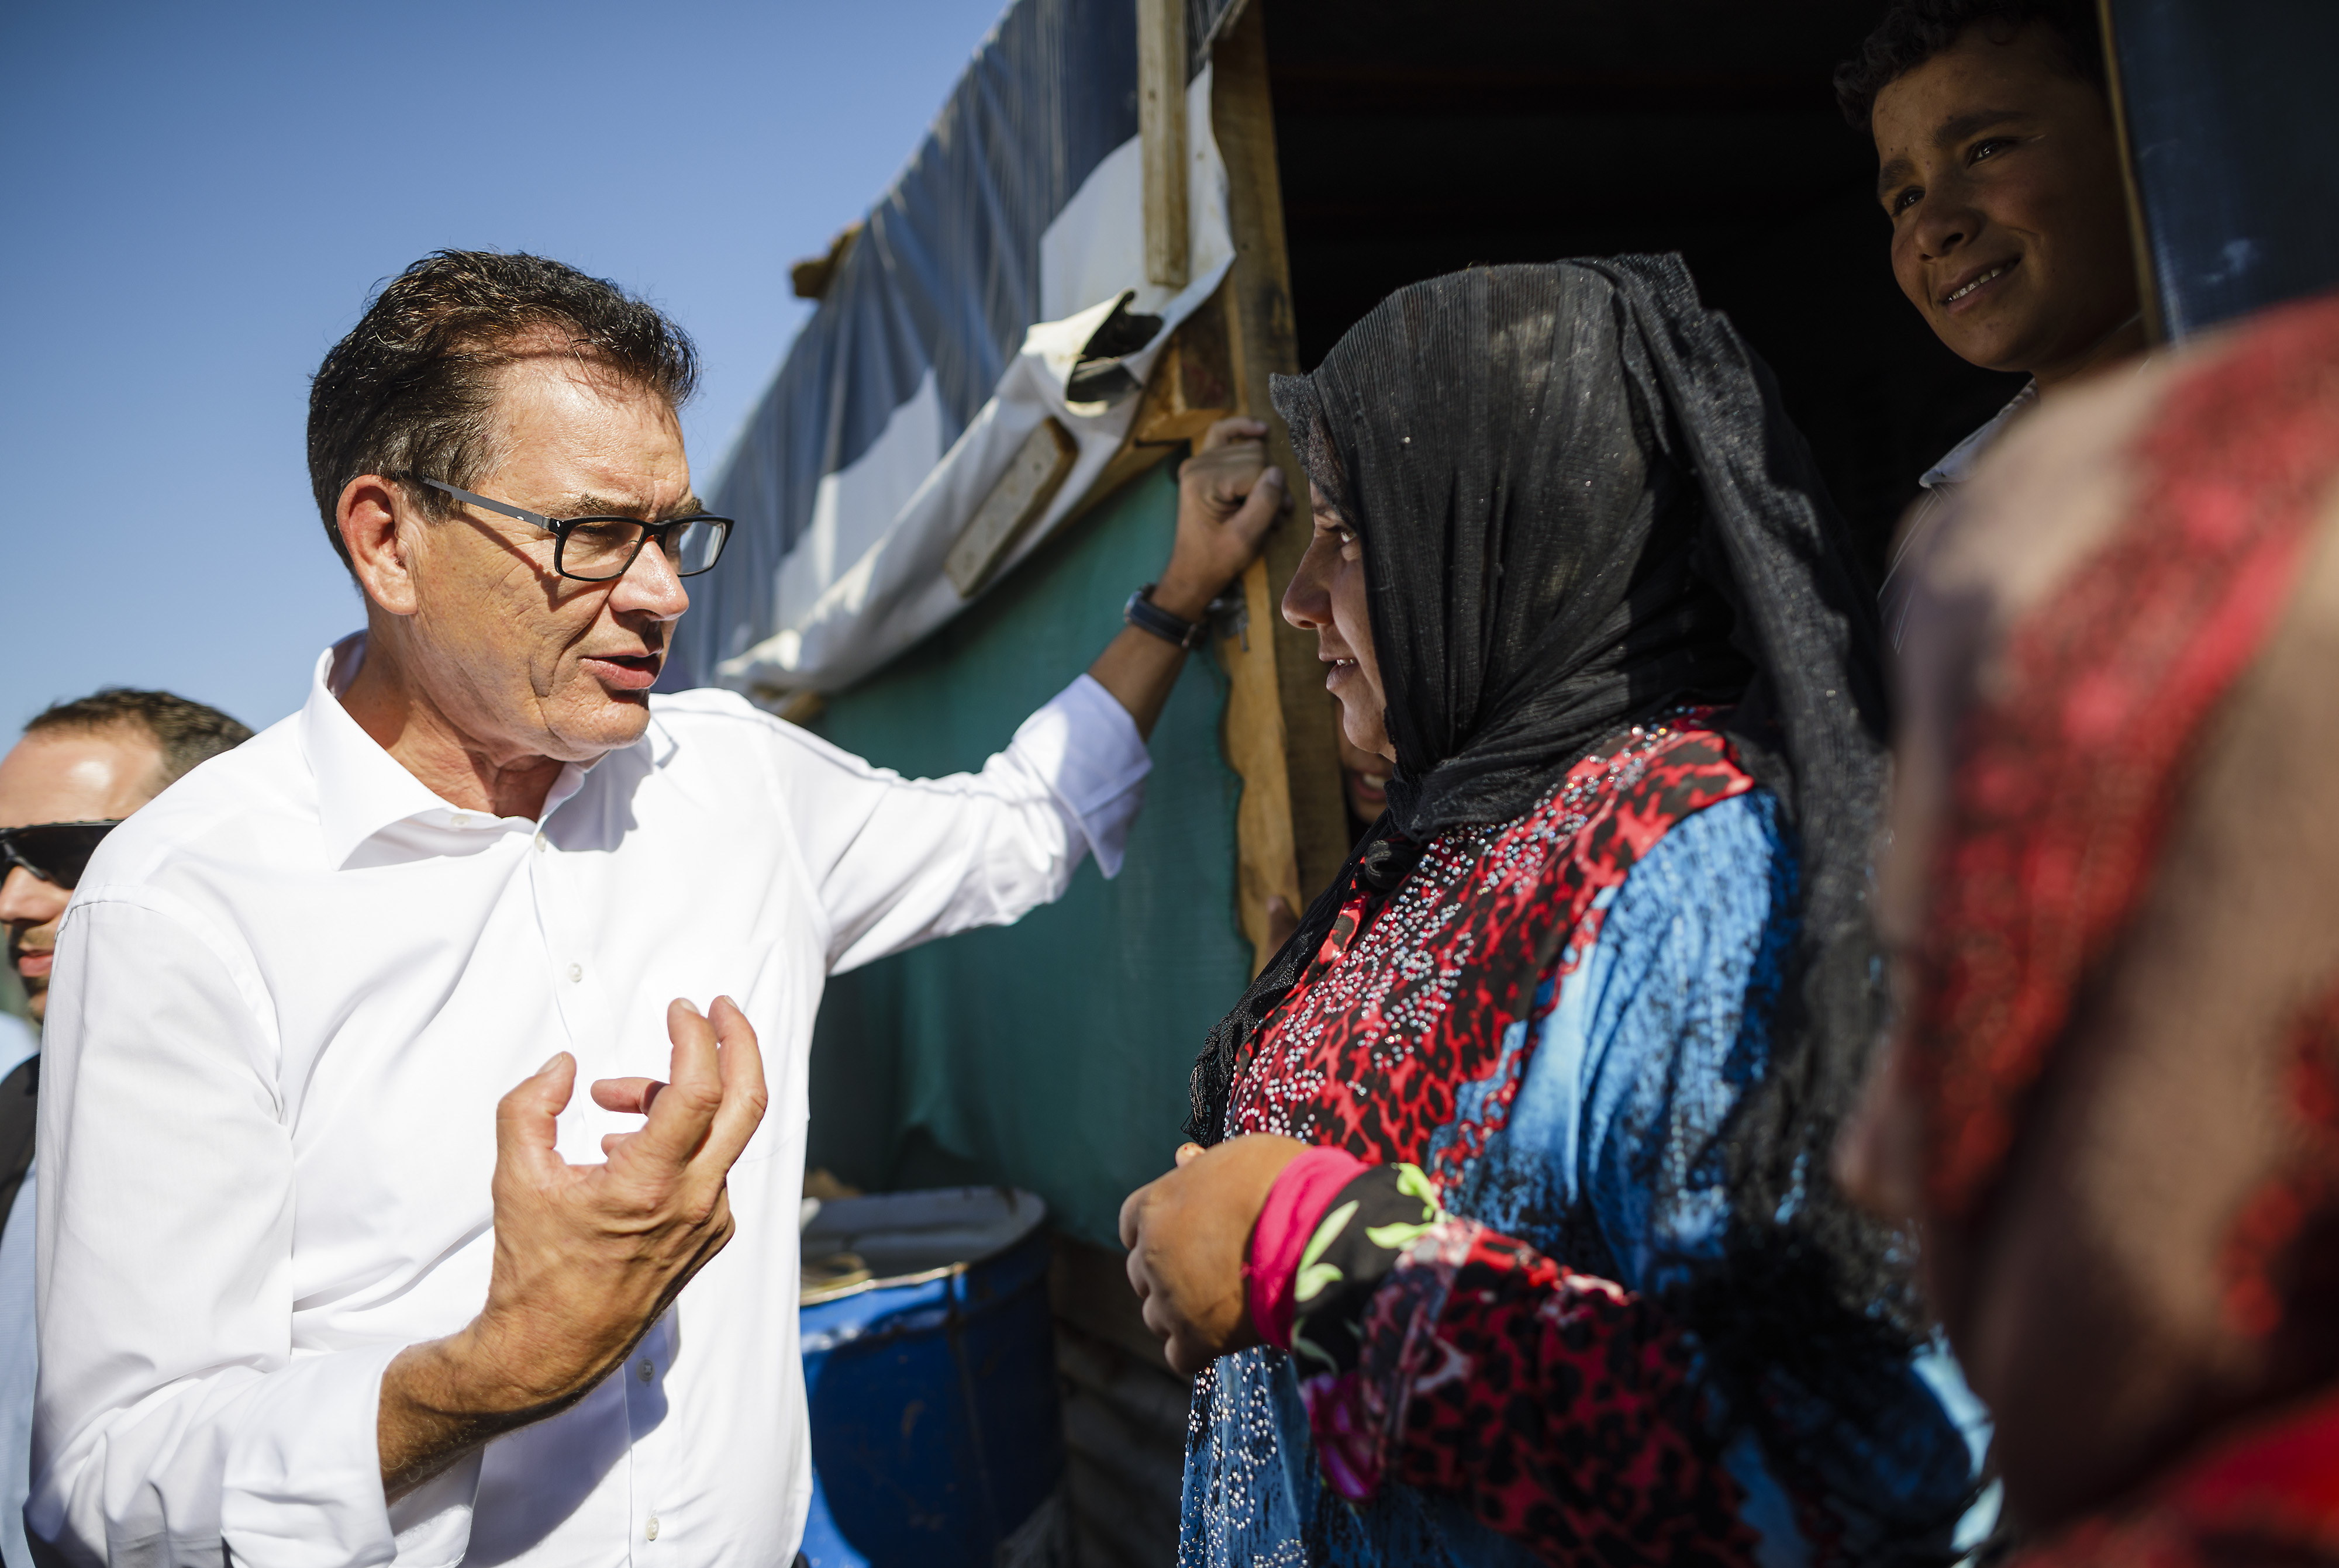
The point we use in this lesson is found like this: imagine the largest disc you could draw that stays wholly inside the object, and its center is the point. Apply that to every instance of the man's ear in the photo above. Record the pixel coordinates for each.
(368, 516)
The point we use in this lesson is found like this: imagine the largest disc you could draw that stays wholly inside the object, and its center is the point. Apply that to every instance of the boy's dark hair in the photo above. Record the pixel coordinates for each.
(187, 732)
(1914, 31)
(409, 389)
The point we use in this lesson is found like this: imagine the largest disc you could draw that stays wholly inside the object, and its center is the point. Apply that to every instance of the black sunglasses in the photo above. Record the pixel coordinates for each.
(56, 851)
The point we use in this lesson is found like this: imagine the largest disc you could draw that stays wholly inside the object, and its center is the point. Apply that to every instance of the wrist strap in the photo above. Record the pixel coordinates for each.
(1142, 613)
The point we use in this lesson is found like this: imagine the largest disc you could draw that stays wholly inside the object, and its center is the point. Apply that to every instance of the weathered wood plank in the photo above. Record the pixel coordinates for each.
(1291, 828)
(1187, 391)
(1162, 132)
(1033, 475)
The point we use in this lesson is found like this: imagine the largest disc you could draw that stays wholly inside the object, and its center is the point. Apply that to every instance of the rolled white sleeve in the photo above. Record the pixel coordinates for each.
(1085, 748)
(173, 1415)
(898, 861)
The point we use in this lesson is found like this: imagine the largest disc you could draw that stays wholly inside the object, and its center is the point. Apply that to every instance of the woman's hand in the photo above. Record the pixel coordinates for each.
(1188, 1235)
(1227, 497)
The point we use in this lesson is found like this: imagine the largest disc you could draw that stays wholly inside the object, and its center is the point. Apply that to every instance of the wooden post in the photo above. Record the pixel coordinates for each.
(2140, 233)
(1161, 133)
(1291, 829)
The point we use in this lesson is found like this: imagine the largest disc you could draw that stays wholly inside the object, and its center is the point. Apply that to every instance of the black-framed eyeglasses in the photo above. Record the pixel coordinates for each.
(56, 851)
(602, 549)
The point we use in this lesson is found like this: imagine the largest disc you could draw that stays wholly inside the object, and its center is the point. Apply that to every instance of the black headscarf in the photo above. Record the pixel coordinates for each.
(1582, 504)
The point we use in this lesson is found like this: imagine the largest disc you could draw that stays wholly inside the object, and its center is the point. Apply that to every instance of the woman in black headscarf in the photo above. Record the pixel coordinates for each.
(1518, 1240)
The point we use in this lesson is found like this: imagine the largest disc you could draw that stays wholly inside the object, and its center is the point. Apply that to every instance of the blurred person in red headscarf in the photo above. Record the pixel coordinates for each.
(2112, 897)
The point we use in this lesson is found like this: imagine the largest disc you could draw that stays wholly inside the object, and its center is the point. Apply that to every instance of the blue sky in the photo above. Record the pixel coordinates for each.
(200, 197)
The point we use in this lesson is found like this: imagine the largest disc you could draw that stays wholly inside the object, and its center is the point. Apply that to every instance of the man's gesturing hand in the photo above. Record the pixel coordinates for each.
(586, 1255)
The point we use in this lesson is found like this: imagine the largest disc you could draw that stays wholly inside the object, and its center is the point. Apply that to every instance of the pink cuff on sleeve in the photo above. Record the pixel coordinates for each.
(1295, 1208)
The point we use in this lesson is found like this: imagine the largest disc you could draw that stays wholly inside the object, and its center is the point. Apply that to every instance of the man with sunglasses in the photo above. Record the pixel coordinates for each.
(81, 767)
(322, 1286)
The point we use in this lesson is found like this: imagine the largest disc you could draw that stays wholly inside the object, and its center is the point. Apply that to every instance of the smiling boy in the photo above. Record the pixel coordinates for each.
(1998, 170)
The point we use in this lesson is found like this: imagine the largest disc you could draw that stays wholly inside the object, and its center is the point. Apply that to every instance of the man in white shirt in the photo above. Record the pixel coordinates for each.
(81, 767)
(318, 1285)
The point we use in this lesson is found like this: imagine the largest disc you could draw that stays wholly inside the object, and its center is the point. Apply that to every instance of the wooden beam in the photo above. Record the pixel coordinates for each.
(1033, 475)
(1162, 132)
(2139, 232)
(1291, 829)
(1192, 384)
(1191, 389)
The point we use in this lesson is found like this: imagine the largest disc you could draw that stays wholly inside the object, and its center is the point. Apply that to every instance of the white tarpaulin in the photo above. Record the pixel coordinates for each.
(948, 335)
(866, 580)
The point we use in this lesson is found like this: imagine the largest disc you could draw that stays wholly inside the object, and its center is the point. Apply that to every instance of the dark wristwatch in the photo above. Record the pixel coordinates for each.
(1144, 614)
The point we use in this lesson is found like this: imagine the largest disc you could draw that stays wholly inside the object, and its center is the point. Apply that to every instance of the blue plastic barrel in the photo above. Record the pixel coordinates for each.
(929, 1360)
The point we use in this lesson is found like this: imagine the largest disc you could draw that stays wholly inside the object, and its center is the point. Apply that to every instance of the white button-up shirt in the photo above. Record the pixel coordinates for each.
(1939, 483)
(287, 996)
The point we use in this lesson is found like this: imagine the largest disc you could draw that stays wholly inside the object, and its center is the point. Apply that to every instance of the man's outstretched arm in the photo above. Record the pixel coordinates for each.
(1227, 497)
(895, 862)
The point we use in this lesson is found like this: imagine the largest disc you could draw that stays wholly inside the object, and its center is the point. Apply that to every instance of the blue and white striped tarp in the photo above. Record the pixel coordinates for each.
(944, 339)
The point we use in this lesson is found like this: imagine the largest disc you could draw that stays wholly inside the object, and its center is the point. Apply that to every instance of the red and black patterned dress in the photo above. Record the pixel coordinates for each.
(1481, 1368)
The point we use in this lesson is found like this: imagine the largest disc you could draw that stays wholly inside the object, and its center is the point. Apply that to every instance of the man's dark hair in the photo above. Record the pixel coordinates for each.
(409, 390)
(187, 732)
(1914, 31)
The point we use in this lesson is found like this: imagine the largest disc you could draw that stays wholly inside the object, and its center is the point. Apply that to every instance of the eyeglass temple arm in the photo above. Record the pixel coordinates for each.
(520, 513)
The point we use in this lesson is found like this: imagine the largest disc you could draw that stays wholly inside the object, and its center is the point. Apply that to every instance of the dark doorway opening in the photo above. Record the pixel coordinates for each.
(1414, 140)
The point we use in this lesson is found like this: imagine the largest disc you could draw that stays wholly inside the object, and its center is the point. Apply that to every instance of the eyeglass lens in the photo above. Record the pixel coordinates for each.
(597, 549)
(56, 852)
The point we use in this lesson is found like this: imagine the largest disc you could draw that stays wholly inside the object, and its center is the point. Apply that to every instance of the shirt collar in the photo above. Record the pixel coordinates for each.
(658, 739)
(361, 789)
(1957, 465)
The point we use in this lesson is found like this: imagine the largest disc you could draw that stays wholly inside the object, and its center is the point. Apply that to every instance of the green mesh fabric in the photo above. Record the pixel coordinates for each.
(1052, 1054)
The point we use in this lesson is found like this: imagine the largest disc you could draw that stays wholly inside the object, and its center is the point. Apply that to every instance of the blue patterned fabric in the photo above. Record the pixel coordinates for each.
(1609, 1162)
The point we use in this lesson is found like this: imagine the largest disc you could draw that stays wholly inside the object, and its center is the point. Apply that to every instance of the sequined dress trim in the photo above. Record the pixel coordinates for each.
(1447, 1356)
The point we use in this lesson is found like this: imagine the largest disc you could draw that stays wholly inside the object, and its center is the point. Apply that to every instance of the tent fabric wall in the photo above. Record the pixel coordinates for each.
(1052, 1054)
(2230, 137)
(928, 325)
(867, 578)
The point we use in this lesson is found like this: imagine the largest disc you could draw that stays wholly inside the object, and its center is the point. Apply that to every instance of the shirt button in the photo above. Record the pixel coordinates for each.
(649, 1530)
(576, 972)
(646, 1370)
(540, 843)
